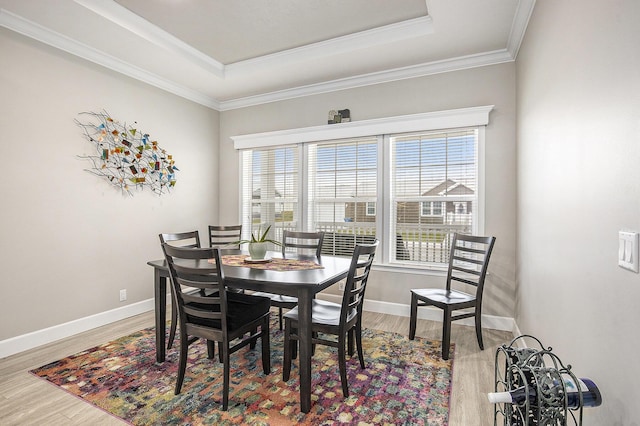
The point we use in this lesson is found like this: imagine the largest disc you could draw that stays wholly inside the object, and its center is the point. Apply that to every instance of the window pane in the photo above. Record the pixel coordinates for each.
(434, 190)
(342, 178)
(270, 176)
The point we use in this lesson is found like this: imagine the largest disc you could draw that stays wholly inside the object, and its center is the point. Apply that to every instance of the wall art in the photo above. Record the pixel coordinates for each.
(125, 156)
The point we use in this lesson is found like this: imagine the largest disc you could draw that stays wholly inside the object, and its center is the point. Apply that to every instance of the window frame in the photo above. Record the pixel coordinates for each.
(385, 127)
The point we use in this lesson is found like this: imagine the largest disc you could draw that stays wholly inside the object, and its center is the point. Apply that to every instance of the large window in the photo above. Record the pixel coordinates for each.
(412, 190)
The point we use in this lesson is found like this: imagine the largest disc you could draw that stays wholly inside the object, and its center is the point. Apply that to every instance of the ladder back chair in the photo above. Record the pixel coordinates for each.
(302, 243)
(214, 314)
(225, 236)
(468, 263)
(190, 239)
(341, 320)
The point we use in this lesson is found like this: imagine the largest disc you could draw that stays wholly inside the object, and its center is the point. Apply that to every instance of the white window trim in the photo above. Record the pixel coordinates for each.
(438, 120)
(453, 118)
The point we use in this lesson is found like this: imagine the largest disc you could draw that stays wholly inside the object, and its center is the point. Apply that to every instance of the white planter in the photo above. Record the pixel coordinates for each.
(257, 251)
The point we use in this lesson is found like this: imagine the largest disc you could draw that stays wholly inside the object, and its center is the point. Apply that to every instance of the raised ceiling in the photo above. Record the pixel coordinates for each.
(236, 53)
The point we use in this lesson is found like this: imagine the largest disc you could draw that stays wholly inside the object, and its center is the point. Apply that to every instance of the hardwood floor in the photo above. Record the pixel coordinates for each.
(27, 400)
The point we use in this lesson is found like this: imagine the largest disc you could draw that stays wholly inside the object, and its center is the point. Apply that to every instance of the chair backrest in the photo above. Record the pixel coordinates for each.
(189, 239)
(190, 267)
(353, 297)
(302, 242)
(224, 236)
(469, 260)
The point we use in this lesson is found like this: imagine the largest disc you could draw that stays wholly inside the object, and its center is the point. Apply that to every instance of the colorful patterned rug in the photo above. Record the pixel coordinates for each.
(405, 383)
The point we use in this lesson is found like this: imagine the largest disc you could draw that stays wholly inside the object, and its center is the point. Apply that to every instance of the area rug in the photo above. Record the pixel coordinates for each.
(405, 383)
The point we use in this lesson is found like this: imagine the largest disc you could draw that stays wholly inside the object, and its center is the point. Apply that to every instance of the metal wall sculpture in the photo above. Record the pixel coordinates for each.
(126, 157)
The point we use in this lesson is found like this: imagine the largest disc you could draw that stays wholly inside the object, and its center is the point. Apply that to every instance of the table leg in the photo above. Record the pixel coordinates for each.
(304, 340)
(160, 296)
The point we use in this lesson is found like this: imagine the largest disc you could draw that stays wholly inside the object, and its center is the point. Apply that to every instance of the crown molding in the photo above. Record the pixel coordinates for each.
(142, 28)
(348, 43)
(519, 26)
(410, 28)
(421, 70)
(37, 32)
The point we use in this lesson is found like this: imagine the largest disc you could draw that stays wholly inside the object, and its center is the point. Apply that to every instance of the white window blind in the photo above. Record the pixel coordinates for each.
(342, 192)
(434, 192)
(270, 190)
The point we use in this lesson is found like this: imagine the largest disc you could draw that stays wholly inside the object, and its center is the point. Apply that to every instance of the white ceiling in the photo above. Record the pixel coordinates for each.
(228, 54)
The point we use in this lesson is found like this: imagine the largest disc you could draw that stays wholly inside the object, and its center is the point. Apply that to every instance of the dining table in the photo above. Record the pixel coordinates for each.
(301, 283)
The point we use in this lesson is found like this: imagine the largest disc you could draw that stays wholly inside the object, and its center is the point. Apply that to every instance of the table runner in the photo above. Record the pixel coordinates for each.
(275, 264)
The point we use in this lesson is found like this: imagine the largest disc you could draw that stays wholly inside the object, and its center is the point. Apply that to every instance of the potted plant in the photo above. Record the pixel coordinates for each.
(258, 243)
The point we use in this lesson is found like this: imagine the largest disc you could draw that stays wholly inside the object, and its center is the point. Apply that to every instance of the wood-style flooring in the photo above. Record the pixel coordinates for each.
(27, 400)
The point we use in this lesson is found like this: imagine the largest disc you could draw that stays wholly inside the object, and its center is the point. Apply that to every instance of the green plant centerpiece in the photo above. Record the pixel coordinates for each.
(258, 243)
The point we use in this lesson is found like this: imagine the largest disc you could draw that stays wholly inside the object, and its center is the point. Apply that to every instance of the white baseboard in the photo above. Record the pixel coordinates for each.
(434, 314)
(37, 338)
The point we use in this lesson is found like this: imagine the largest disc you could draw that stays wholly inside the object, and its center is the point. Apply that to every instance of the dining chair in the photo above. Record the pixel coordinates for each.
(225, 236)
(468, 263)
(190, 239)
(302, 243)
(342, 320)
(214, 314)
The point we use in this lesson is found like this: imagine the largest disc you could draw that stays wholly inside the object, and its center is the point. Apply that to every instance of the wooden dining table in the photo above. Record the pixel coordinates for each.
(302, 283)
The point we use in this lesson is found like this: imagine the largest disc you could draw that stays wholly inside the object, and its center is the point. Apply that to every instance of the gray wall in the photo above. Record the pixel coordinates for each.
(70, 242)
(493, 85)
(578, 75)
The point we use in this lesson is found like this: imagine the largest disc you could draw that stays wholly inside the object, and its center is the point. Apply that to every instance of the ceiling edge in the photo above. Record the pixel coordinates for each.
(33, 30)
(364, 39)
(142, 28)
(519, 25)
(44, 35)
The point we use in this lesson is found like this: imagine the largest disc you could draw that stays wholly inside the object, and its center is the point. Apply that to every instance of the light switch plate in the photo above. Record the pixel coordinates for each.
(628, 250)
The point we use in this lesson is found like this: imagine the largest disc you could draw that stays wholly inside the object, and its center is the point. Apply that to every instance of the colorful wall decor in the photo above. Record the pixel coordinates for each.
(127, 157)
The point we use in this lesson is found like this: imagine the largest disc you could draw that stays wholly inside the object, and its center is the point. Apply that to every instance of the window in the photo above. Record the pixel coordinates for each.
(270, 190)
(342, 190)
(430, 208)
(371, 208)
(409, 185)
(436, 171)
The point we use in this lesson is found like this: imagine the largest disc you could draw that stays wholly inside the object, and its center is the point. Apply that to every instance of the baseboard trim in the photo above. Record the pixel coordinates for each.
(37, 338)
(433, 314)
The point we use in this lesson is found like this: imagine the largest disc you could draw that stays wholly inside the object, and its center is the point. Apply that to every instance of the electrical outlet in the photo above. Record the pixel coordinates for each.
(341, 286)
(123, 295)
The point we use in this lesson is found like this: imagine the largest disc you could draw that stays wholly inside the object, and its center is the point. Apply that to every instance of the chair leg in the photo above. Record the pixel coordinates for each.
(342, 364)
(358, 331)
(288, 352)
(220, 346)
(350, 342)
(174, 323)
(479, 327)
(446, 333)
(226, 378)
(280, 317)
(254, 341)
(182, 365)
(211, 349)
(266, 347)
(413, 316)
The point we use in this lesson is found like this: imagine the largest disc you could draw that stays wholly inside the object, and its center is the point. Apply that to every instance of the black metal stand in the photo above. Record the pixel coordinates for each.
(542, 375)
